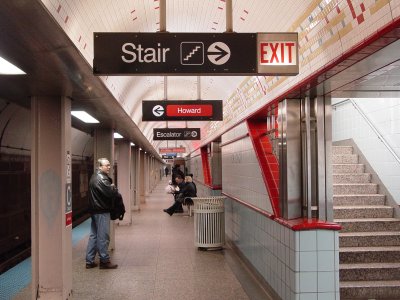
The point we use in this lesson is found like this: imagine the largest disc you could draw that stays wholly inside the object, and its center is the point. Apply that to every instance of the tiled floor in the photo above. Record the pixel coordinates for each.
(158, 260)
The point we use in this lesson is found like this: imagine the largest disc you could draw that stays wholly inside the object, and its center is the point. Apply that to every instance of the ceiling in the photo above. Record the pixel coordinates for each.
(52, 41)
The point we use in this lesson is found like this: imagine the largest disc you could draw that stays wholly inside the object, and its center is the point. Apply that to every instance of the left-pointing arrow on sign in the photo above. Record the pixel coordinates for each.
(158, 110)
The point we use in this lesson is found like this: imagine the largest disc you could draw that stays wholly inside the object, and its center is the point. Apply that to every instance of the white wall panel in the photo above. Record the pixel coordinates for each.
(384, 115)
(241, 173)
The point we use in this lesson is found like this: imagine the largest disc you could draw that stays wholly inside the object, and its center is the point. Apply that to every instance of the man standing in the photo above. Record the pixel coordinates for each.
(101, 194)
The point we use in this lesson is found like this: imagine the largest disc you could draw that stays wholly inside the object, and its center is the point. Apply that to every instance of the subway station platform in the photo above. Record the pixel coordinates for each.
(157, 259)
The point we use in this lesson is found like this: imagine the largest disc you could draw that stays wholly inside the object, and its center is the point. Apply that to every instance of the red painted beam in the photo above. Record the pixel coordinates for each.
(266, 159)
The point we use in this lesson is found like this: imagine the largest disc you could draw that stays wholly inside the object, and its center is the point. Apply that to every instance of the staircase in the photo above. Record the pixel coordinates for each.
(369, 251)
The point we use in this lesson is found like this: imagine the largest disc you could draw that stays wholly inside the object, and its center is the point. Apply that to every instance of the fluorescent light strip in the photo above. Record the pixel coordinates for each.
(117, 136)
(84, 116)
(7, 68)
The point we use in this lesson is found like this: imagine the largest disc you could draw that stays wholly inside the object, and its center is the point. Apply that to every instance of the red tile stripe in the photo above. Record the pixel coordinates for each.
(267, 161)
(206, 166)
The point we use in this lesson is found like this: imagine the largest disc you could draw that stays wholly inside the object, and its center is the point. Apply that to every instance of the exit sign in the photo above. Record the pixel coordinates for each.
(277, 53)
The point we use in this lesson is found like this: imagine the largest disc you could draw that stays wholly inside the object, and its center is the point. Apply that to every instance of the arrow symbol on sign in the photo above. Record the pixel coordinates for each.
(221, 52)
(158, 110)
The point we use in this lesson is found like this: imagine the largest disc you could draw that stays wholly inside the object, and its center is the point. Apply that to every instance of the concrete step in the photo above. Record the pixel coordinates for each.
(347, 168)
(345, 159)
(369, 225)
(342, 150)
(369, 271)
(371, 211)
(352, 178)
(355, 188)
(370, 290)
(354, 255)
(375, 199)
(366, 239)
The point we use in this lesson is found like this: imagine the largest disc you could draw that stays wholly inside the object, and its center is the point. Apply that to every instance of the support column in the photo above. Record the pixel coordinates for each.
(135, 179)
(317, 145)
(216, 164)
(51, 198)
(142, 179)
(124, 179)
(104, 147)
(289, 145)
(146, 174)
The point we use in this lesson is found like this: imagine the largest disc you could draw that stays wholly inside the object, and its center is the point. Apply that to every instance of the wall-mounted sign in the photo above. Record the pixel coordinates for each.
(176, 150)
(124, 53)
(168, 156)
(277, 53)
(176, 134)
(171, 154)
(182, 110)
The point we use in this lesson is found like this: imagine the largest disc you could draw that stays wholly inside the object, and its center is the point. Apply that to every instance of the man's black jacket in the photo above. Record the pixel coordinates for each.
(101, 193)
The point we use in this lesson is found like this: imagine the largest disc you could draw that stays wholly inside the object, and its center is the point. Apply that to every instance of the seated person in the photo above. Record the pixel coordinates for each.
(186, 189)
(192, 187)
(195, 187)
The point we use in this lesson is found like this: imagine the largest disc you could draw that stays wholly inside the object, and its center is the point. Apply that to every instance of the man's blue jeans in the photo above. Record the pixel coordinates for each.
(99, 238)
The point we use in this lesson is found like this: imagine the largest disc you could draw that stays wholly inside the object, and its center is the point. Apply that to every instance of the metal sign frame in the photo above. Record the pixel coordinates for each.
(125, 53)
(122, 53)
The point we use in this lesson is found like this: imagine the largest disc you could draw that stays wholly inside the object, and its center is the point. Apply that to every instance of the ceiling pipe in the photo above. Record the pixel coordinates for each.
(163, 28)
(229, 14)
(163, 15)
(166, 93)
(198, 88)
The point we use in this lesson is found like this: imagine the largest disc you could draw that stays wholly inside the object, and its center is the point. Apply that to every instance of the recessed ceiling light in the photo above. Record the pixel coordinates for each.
(7, 68)
(84, 116)
(132, 144)
(117, 136)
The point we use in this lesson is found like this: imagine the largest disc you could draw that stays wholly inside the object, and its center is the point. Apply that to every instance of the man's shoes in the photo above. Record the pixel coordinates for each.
(167, 211)
(108, 265)
(91, 265)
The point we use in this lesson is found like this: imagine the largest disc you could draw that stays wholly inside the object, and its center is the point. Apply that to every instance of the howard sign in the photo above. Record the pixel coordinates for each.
(182, 110)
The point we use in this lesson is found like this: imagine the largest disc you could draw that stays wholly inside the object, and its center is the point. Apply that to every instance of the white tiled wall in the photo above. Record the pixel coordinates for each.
(196, 168)
(384, 114)
(296, 264)
(241, 173)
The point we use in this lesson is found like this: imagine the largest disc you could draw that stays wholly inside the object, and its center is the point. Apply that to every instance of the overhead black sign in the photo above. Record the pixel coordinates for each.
(168, 156)
(121, 53)
(182, 110)
(176, 134)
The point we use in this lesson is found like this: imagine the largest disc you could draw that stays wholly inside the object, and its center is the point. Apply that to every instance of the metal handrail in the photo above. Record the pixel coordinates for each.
(378, 134)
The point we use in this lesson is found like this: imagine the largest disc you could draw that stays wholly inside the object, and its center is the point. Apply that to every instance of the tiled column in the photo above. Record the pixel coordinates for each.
(142, 179)
(147, 173)
(135, 169)
(124, 184)
(104, 147)
(51, 198)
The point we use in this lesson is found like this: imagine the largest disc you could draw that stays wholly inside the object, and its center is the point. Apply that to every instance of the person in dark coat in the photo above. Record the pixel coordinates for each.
(166, 171)
(177, 171)
(186, 189)
(102, 192)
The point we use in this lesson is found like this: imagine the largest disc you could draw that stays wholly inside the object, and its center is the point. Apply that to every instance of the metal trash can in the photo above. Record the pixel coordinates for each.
(209, 222)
